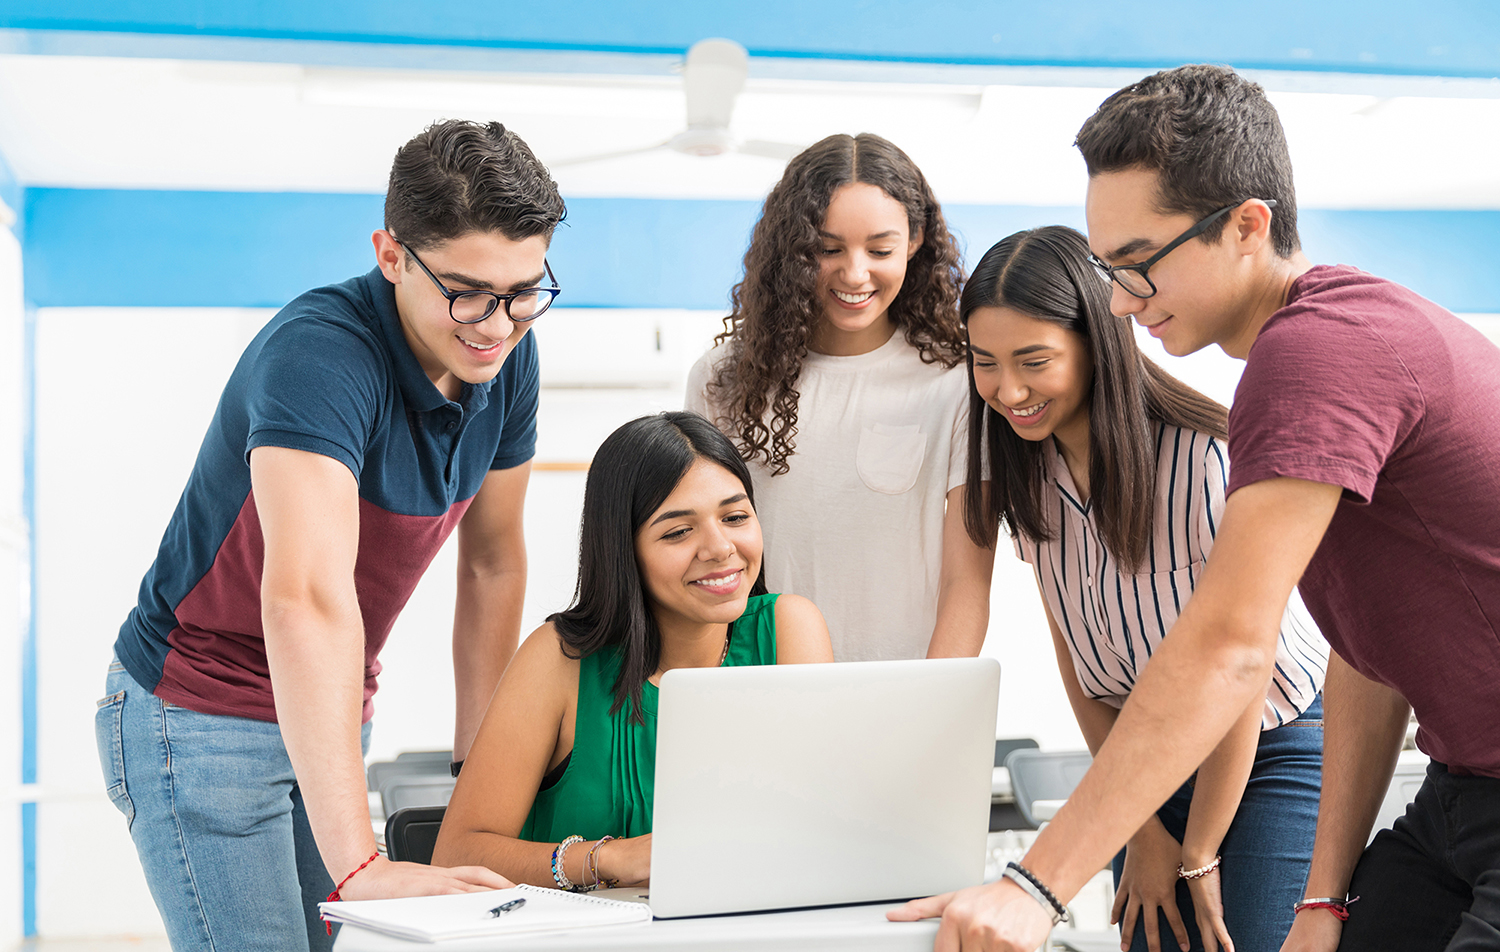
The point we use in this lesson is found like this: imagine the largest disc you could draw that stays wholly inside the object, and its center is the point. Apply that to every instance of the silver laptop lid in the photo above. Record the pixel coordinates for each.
(816, 784)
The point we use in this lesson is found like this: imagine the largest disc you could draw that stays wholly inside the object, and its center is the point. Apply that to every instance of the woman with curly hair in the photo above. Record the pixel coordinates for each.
(839, 377)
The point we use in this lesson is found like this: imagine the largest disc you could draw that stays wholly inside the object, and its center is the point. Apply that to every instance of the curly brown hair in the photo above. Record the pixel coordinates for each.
(775, 309)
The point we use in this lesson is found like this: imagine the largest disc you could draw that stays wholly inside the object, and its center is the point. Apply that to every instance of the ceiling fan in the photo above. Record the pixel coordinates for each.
(712, 78)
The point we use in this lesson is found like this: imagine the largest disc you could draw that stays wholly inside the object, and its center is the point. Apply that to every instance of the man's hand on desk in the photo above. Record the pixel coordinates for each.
(384, 879)
(997, 917)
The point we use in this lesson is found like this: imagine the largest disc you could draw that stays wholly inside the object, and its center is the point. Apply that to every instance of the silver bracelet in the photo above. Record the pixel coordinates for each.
(1057, 912)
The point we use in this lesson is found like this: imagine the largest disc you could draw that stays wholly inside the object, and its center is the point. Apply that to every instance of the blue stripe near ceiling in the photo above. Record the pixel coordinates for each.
(1440, 37)
(87, 247)
(11, 192)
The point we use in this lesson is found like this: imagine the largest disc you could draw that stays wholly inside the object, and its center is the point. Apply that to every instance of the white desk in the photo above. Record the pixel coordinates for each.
(839, 928)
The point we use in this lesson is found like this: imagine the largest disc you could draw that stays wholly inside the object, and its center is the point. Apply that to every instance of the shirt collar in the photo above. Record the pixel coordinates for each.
(417, 390)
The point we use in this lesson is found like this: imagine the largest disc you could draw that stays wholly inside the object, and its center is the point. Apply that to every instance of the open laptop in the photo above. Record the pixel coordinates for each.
(807, 785)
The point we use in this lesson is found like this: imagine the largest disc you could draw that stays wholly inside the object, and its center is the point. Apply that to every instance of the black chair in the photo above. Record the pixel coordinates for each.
(411, 834)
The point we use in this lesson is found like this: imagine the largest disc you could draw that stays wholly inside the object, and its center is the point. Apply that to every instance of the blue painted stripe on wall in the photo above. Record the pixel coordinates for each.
(28, 514)
(87, 247)
(28, 869)
(1440, 37)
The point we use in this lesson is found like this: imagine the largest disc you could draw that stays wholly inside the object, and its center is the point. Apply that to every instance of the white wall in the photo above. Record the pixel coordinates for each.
(13, 582)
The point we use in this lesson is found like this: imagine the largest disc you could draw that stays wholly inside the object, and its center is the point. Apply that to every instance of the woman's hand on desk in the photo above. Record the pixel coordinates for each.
(997, 917)
(1149, 883)
(384, 879)
(626, 861)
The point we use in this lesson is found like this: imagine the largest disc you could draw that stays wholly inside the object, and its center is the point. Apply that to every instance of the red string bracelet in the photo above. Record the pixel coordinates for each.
(1339, 907)
(335, 897)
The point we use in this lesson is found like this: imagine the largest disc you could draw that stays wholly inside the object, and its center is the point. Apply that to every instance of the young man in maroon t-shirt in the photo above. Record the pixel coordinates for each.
(1365, 440)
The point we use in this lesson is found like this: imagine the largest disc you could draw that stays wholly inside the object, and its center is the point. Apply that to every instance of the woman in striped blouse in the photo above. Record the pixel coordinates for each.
(1110, 475)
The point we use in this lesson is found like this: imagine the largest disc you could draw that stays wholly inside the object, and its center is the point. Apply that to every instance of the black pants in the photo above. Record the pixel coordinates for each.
(1432, 881)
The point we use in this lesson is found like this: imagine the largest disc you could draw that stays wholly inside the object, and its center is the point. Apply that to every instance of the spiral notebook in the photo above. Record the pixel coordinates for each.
(466, 915)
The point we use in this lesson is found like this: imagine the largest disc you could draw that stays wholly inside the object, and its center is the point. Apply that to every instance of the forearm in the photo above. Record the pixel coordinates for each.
(963, 608)
(963, 617)
(1220, 787)
(316, 660)
(520, 861)
(1184, 703)
(1364, 724)
(486, 630)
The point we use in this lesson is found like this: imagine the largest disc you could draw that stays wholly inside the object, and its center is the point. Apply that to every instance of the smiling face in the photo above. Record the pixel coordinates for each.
(865, 245)
(1201, 297)
(450, 353)
(1036, 374)
(699, 552)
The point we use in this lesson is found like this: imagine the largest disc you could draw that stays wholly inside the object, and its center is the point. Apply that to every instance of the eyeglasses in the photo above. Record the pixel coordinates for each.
(471, 307)
(1133, 277)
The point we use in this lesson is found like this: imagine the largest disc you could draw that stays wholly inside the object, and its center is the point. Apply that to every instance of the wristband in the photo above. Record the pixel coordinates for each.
(1033, 887)
(1200, 872)
(1339, 907)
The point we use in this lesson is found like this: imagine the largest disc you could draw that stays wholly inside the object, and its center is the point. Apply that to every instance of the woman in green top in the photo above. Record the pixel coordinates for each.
(669, 576)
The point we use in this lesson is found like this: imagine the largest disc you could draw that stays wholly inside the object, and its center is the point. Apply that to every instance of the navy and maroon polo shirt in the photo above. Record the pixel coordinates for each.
(330, 374)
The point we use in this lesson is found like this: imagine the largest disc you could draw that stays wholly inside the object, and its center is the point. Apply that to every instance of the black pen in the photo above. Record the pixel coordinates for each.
(505, 907)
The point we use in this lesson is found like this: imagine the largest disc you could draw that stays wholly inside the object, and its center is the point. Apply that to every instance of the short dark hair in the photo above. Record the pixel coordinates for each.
(1045, 273)
(458, 177)
(1211, 136)
(633, 472)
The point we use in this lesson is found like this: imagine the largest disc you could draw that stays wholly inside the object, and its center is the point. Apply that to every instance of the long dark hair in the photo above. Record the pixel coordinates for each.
(1045, 274)
(634, 471)
(776, 309)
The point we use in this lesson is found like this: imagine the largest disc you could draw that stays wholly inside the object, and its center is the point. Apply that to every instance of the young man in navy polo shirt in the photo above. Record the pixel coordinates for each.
(1365, 449)
(366, 422)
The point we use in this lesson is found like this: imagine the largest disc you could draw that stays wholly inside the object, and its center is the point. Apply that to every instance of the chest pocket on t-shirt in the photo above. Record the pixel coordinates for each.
(889, 457)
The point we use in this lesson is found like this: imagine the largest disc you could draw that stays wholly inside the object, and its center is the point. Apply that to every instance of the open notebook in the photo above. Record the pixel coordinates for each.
(466, 915)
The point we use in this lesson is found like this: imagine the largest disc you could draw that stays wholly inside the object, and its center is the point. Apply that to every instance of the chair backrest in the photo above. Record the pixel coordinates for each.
(411, 834)
(441, 758)
(1403, 790)
(1037, 775)
(398, 793)
(379, 772)
(1004, 745)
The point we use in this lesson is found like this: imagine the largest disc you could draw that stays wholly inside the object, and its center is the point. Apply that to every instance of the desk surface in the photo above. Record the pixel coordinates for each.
(835, 928)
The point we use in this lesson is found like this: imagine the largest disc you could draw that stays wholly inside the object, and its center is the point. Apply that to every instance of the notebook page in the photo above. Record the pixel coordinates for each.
(466, 915)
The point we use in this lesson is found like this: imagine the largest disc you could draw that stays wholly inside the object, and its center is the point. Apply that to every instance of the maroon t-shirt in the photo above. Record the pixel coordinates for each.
(1362, 384)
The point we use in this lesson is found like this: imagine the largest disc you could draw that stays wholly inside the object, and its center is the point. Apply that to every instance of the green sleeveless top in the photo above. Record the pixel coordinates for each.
(609, 781)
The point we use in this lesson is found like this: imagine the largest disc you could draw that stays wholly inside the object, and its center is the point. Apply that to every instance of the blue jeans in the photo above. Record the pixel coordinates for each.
(218, 822)
(1268, 847)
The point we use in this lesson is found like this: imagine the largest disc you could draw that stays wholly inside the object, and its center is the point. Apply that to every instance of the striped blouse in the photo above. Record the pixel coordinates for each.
(1112, 620)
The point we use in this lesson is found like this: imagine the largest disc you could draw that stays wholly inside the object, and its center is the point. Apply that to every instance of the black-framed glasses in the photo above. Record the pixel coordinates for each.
(1133, 277)
(471, 307)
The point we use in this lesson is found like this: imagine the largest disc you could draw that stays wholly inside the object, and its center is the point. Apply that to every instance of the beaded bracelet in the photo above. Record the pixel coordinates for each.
(1200, 872)
(1339, 907)
(558, 876)
(1033, 887)
(591, 867)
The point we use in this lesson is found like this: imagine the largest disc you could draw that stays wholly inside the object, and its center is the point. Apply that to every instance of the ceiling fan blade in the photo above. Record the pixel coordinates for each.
(712, 77)
(784, 151)
(603, 156)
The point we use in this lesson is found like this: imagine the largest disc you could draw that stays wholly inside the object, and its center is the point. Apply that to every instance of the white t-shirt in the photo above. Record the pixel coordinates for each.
(856, 525)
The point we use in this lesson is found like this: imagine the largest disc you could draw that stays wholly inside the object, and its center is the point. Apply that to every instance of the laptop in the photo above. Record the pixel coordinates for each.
(791, 786)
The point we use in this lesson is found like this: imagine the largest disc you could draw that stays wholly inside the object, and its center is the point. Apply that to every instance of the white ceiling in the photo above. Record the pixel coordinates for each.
(145, 123)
